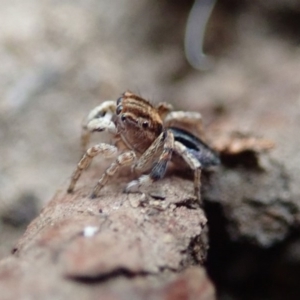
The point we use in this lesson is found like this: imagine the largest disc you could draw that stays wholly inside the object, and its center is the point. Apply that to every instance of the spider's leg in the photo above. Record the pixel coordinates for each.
(104, 149)
(188, 120)
(164, 141)
(146, 160)
(99, 119)
(122, 160)
(193, 163)
(164, 109)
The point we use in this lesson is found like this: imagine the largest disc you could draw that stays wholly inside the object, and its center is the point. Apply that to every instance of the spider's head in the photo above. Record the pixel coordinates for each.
(138, 122)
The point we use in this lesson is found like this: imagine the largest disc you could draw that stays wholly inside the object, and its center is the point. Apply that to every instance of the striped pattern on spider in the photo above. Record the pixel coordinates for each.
(146, 137)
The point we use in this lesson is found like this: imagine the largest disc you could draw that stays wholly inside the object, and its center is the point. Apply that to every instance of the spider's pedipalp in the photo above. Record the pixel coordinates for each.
(193, 163)
(105, 108)
(103, 124)
(164, 141)
(99, 119)
(105, 149)
(122, 160)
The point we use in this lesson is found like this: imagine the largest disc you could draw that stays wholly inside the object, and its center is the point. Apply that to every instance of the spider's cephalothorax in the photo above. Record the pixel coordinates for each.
(147, 138)
(137, 122)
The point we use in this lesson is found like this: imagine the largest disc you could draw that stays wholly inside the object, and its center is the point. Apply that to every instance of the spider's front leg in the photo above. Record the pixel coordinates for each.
(194, 164)
(164, 143)
(99, 119)
(104, 149)
(124, 159)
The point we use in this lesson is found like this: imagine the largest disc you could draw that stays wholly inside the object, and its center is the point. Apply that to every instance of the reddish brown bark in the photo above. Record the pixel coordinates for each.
(113, 247)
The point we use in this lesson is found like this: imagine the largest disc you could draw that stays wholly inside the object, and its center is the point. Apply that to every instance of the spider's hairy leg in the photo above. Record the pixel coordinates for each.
(164, 141)
(99, 119)
(194, 164)
(104, 149)
(147, 158)
(189, 120)
(122, 160)
(164, 109)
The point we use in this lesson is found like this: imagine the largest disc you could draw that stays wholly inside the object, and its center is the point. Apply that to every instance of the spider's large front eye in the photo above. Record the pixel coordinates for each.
(123, 118)
(119, 109)
(145, 124)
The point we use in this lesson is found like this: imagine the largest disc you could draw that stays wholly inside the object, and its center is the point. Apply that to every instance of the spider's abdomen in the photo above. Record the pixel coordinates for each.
(205, 155)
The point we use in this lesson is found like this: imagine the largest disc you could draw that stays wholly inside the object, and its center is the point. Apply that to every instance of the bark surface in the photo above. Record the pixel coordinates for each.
(117, 246)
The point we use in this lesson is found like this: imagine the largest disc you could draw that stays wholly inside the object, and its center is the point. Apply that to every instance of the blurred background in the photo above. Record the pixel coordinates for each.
(59, 59)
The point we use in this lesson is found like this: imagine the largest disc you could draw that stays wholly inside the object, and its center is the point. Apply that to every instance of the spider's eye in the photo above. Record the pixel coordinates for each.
(119, 109)
(119, 100)
(145, 124)
(123, 118)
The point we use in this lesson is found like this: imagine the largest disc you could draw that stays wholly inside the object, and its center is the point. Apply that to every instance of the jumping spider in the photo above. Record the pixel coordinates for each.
(147, 138)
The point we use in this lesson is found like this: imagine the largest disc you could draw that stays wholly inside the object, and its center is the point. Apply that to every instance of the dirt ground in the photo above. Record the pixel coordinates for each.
(59, 59)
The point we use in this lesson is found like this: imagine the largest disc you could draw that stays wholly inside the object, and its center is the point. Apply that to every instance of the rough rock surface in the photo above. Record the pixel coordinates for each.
(117, 246)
